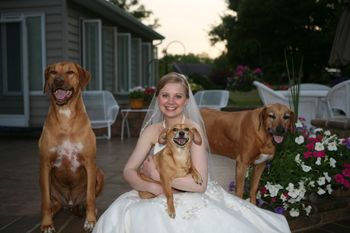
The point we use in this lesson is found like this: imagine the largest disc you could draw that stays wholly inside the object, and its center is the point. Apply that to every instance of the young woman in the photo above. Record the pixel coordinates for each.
(200, 208)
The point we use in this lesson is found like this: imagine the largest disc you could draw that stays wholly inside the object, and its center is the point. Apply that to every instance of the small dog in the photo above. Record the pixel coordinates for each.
(67, 145)
(174, 160)
(249, 137)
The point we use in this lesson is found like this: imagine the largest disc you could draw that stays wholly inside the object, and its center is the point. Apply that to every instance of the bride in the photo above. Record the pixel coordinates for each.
(199, 208)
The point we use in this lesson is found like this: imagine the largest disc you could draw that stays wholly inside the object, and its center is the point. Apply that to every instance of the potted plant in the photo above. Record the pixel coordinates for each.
(308, 165)
(148, 94)
(136, 97)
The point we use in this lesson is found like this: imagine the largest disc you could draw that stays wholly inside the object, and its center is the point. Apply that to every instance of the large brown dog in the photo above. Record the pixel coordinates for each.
(249, 137)
(68, 173)
(174, 160)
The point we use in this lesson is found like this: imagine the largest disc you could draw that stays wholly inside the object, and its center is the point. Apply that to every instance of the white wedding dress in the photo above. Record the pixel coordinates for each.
(215, 210)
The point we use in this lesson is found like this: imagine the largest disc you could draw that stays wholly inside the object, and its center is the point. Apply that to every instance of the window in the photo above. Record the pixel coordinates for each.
(136, 62)
(109, 58)
(92, 52)
(124, 63)
(11, 53)
(34, 25)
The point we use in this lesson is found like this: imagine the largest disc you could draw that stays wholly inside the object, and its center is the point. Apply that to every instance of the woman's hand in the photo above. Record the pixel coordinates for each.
(149, 169)
(156, 189)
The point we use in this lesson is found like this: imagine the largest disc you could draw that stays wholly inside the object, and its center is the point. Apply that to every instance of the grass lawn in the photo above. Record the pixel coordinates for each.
(244, 99)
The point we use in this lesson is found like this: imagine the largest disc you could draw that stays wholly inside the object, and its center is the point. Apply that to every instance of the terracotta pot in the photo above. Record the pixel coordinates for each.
(136, 103)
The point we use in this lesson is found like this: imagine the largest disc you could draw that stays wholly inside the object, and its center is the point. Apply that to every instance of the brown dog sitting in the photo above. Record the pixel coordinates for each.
(174, 160)
(249, 137)
(68, 173)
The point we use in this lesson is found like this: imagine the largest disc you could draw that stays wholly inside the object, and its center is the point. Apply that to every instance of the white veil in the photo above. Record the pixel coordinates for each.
(191, 111)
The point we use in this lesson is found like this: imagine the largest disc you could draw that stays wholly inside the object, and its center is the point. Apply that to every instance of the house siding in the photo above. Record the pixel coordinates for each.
(63, 41)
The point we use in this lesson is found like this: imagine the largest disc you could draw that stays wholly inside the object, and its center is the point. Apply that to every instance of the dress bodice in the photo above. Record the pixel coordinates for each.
(157, 147)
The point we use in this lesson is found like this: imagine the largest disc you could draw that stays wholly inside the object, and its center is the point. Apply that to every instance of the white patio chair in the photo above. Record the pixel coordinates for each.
(313, 86)
(338, 100)
(102, 109)
(307, 107)
(215, 99)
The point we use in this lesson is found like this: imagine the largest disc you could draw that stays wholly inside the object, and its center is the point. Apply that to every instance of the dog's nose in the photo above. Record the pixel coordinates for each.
(280, 129)
(182, 133)
(59, 81)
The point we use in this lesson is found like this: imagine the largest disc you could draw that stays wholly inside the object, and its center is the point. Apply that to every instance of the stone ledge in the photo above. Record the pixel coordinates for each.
(340, 126)
(325, 210)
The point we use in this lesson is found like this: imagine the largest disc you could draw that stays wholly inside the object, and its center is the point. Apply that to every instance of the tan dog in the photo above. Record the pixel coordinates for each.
(174, 160)
(68, 173)
(249, 137)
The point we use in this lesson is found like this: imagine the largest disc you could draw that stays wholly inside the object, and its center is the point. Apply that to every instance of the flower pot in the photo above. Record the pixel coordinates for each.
(136, 103)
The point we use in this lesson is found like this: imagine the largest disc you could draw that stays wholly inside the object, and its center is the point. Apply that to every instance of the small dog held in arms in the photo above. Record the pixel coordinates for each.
(174, 160)
(67, 145)
(249, 137)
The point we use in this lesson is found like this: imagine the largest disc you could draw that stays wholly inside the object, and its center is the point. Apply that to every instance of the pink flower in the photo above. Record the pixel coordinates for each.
(312, 140)
(339, 178)
(346, 172)
(263, 190)
(346, 183)
(346, 165)
(319, 154)
(307, 154)
(257, 71)
(310, 146)
(273, 199)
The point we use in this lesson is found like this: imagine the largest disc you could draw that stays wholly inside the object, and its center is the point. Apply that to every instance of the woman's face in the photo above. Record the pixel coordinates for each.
(172, 99)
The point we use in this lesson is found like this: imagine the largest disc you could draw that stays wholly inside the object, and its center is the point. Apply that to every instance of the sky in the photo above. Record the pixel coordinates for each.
(185, 25)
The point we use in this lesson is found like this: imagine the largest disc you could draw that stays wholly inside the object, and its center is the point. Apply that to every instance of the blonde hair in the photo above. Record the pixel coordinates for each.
(173, 77)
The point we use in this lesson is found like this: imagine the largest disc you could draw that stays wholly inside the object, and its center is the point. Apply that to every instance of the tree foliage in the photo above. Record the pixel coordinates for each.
(137, 10)
(262, 29)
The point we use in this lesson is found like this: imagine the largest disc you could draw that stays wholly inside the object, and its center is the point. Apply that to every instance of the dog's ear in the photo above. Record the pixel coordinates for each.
(84, 76)
(197, 139)
(46, 76)
(262, 116)
(163, 136)
(292, 121)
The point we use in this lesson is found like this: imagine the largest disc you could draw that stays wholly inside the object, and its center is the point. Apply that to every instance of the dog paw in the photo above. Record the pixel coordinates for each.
(197, 179)
(171, 214)
(88, 225)
(48, 229)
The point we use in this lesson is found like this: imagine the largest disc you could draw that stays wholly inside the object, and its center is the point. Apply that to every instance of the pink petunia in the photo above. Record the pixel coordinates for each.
(307, 154)
(346, 165)
(263, 190)
(312, 140)
(346, 172)
(339, 178)
(346, 183)
(273, 199)
(310, 146)
(257, 71)
(319, 154)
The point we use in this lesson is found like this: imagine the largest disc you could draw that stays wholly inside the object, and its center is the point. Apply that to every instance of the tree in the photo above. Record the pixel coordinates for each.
(263, 29)
(137, 10)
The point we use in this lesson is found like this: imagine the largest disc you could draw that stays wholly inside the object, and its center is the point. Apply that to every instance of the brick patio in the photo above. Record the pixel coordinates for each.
(20, 192)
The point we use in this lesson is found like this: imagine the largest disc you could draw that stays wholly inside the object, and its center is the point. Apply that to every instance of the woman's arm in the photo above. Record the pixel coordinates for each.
(135, 160)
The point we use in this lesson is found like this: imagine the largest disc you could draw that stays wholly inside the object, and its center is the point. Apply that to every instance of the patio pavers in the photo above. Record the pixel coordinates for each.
(20, 191)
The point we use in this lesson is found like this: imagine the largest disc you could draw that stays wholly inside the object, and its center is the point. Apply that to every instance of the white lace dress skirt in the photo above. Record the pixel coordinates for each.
(213, 211)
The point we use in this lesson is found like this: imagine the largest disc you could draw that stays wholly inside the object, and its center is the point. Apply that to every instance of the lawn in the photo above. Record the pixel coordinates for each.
(245, 99)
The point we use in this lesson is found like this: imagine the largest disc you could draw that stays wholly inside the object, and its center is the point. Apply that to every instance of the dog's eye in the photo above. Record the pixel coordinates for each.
(69, 72)
(175, 129)
(52, 72)
(186, 129)
(286, 117)
(272, 116)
